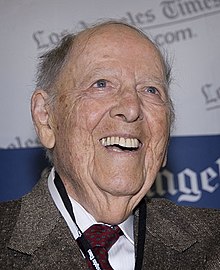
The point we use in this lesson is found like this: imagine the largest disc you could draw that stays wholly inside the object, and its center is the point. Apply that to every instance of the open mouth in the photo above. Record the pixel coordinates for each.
(121, 144)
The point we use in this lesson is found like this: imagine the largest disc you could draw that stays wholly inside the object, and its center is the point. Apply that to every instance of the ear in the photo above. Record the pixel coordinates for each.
(42, 118)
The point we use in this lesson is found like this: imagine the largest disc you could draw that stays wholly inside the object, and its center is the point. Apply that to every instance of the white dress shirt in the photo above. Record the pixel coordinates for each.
(122, 254)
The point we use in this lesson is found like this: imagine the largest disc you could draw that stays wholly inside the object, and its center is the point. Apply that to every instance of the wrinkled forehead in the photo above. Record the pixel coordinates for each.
(109, 38)
(94, 46)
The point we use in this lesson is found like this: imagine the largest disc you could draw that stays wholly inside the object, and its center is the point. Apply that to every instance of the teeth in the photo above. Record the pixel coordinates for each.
(128, 142)
(112, 140)
(122, 142)
(103, 141)
(108, 142)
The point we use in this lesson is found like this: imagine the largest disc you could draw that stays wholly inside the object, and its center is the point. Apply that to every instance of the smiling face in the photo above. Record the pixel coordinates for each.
(111, 123)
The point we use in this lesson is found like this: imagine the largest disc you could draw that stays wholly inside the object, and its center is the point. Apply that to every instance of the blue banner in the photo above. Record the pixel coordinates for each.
(191, 177)
(192, 174)
(20, 170)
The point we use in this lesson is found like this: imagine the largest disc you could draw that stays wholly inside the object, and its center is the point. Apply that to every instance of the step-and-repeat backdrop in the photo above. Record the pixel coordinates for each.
(187, 30)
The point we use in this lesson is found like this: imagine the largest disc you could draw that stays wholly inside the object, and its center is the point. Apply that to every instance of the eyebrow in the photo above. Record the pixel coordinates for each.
(104, 69)
(158, 80)
(109, 71)
(155, 79)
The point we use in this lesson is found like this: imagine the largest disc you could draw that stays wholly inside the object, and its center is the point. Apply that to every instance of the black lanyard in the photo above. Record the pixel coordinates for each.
(84, 244)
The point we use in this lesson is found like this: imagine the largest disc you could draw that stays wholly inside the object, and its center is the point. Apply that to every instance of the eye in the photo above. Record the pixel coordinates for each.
(100, 84)
(152, 90)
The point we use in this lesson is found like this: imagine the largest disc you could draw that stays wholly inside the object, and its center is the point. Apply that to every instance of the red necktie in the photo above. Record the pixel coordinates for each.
(102, 238)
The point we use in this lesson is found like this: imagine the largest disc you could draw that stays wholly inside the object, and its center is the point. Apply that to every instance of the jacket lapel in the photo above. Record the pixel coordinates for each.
(166, 224)
(42, 232)
(36, 220)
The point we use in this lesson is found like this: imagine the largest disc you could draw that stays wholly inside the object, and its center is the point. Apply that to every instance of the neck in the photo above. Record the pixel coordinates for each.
(104, 208)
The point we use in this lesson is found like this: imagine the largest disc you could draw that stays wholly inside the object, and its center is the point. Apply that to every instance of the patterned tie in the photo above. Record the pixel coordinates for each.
(102, 238)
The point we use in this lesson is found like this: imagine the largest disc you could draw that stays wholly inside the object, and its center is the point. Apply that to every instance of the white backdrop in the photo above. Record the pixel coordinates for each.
(187, 30)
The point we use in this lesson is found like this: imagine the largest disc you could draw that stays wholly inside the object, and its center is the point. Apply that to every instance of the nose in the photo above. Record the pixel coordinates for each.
(127, 107)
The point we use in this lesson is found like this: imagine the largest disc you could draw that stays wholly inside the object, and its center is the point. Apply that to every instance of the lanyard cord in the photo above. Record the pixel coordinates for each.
(83, 243)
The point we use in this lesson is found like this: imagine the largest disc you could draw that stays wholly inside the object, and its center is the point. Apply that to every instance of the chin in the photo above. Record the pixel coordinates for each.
(124, 186)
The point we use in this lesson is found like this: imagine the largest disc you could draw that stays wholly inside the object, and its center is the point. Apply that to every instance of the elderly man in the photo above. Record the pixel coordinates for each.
(102, 111)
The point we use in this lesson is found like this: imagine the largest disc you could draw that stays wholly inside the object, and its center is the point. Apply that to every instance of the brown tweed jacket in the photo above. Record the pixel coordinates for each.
(33, 235)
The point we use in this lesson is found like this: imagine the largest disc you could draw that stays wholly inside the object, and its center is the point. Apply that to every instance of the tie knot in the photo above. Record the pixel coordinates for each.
(104, 236)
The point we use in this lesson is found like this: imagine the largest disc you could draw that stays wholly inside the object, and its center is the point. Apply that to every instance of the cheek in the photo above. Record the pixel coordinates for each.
(158, 125)
(74, 149)
(76, 122)
(157, 120)
(90, 113)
